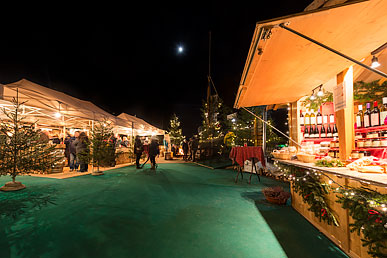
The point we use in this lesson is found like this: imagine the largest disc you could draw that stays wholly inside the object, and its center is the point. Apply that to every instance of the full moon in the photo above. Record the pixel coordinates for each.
(180, 49)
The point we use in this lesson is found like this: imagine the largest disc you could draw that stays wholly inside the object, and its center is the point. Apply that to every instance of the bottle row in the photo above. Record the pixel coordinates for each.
(315, 131)
(312, 118)
(371, 118)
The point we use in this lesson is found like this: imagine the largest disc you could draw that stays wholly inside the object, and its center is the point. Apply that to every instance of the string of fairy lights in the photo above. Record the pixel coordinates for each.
(314, 172)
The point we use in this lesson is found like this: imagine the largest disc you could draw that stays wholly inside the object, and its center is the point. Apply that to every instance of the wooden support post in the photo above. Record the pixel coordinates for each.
(345, 117)
(294, 123)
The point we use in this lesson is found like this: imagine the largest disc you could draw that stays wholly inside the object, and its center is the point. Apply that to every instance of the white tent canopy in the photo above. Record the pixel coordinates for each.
(54, 108)
(140, 126)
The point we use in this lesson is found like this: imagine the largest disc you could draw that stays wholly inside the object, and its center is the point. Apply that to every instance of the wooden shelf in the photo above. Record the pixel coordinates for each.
(318, 140)
(371, 129)
(362, 149)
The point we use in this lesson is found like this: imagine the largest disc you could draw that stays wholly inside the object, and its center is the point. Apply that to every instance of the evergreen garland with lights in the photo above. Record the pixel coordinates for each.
(367, 207)
(308, 185)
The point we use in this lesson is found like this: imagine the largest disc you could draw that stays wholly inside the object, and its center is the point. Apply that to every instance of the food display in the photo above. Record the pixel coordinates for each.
(329, 162)
(368, 164)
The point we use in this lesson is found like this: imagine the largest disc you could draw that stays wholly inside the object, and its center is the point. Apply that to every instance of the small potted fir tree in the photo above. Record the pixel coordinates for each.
(21, 148)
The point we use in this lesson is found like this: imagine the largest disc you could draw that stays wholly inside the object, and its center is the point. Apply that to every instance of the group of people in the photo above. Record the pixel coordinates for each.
(77, 150)
(189, 149)
(152, 151)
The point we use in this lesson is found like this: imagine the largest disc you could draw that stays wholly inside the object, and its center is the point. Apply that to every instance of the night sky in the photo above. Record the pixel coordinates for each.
(125, 58)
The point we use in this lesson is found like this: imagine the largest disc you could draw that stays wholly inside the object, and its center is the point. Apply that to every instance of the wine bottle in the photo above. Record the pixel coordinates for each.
(311, 132)
(312, 117)
(360, 117)
(306, 132)
(367, 116)
(307, 118)
(319, 117)
(325, 119)
(383, 112)
(301, 118)
(334, 132)
(375, 115)
(316, 132)
(331, 119)
(329, 131)
(323, 132)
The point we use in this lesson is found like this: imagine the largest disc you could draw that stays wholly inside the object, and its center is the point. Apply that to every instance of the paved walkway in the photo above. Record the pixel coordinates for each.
(180, 210)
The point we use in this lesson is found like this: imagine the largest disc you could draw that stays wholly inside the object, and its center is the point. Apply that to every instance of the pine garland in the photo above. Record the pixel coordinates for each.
(367, 207)
(364, 207)
(367, 92)
(313, 192)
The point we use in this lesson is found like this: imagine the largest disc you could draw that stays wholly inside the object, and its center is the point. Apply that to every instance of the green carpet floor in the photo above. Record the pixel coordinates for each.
(183, 210)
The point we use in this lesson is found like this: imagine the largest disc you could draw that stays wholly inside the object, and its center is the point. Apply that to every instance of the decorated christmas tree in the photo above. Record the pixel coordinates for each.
(102, 151)
(175, 131)
(21, 148)
(213, 119)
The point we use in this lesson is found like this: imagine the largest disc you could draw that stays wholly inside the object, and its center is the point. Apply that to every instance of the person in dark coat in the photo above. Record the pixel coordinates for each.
(185, 149)
(153, 152)
(138, 149)
(67, 149)
(82, 149)
(73, 152)
(195, 146)
(190, 148)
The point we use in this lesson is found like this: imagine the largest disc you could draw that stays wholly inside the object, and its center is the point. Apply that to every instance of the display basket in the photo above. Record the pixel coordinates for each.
(276, 155)
(275, 200)
(309, 158)
(285, 156)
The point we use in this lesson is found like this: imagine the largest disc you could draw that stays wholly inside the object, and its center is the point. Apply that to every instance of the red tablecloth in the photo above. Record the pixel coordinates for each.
(241, 154)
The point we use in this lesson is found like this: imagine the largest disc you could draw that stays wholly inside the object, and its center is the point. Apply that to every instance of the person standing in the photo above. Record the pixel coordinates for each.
(195, 145)
(190, 149)
(67, 149)
(185, 149)
(82, 150)
(138, 149)
(153, 152)
(73, 151)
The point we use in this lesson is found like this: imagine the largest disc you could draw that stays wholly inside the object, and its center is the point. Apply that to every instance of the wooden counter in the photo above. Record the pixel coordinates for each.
(349, 242)
(372, 178)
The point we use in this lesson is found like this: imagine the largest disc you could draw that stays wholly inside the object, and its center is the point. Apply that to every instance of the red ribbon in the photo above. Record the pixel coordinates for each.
(324, 212)
(378, 220)
(373, 212)
(306, 196)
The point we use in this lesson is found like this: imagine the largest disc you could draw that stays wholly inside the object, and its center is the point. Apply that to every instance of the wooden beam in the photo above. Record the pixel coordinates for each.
(315, 5)
(345, 117)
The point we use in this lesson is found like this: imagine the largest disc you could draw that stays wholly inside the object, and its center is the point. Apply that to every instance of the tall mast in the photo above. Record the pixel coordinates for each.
(209, 78)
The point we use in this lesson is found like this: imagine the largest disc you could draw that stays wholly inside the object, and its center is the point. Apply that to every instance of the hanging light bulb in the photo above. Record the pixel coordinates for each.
(57, 115)
(313, 97)
(320, 93)
(375, 63)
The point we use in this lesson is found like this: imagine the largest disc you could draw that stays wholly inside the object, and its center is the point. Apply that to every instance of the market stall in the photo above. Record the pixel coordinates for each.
(311, 62)
(56, 114)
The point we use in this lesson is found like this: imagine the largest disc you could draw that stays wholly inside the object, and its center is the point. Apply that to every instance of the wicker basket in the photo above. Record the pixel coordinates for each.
(309, 158)
(285, 156)
(276, 155)
(300, 157)
(275, 200)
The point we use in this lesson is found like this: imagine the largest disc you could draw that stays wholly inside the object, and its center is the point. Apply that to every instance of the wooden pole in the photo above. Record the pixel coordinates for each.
(345, 117)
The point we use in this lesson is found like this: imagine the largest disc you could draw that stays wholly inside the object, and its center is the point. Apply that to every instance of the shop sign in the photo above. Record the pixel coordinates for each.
(339, 98)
